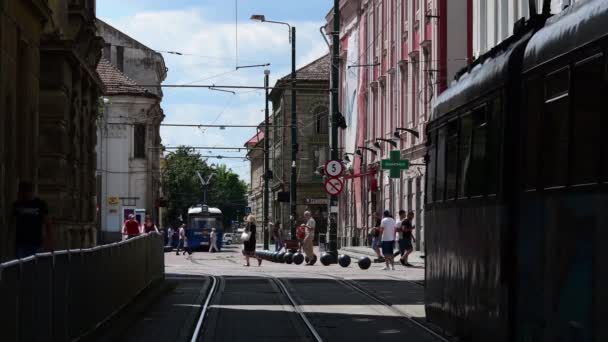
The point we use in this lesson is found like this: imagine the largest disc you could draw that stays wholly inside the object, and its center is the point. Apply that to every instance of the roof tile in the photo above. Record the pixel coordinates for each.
(117, 83)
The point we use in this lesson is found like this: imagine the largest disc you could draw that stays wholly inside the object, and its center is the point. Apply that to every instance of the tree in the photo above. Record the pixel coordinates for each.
(229, 193)
(183, 189)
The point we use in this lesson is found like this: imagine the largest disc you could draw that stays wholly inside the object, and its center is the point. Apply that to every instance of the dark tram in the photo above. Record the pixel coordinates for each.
(517, 180)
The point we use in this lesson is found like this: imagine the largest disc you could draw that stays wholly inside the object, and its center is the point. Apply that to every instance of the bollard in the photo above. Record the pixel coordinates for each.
(344, 260)
(326, 259)
(364, 263)
(311, 260)
(298, 258)
(288, 258)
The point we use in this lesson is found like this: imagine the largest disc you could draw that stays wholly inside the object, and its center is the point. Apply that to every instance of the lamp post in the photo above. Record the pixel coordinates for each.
(294, 131)
(266, 161)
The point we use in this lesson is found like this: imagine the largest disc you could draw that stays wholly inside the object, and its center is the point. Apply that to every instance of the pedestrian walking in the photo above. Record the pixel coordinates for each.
(182, 243)
(213, 241)
(307, 243)
(376, 240)
(131, 227)
(388, 240)
(249, 242)
(31, 216)
(277, 235)
(169, 237)
(399, 232)
(149, 226)
(407, 229)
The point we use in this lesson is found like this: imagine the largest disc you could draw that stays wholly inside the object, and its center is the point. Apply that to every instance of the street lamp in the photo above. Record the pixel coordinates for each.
(346, 157)
(359, 148)
(413, 132)
(294, 131)
(391, 142)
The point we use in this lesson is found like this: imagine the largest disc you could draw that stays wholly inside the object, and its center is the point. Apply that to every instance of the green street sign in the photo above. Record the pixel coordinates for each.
(395, 164)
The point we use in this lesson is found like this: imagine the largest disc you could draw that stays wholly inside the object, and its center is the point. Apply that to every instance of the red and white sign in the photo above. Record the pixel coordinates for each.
(333, 186)
(334, 168)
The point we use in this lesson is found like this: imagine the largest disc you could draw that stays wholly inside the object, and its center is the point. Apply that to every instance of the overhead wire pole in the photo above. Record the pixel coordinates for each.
(335, 78)
(266, 162)
(294, 138)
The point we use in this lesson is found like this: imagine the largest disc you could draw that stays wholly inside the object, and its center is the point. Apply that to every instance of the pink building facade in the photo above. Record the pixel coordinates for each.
(396, 57)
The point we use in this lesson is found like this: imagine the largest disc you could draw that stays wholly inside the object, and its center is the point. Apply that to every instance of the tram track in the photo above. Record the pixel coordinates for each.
(220, 292)
(204, 309)
(367, 293)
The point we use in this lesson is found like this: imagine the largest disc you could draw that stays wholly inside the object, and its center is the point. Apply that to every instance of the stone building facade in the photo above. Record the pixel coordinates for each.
(49, 93)
(255, 154)
(128, 151)
(312, 108)
(397, 56)
(131, 145)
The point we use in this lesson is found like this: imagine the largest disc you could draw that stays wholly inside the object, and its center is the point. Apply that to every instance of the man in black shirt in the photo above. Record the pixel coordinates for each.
(406, 238)
(30, 215)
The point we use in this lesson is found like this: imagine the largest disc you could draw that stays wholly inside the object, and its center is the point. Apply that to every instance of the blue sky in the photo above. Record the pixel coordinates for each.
(206, 31)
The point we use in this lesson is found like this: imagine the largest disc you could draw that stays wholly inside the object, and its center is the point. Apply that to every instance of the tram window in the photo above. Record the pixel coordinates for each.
(555, 127)
(590, 86)
(466, 134)
(494, 145)
(478, 154)
(431, 168)
(533, 93)
(441, 153)
(557, 83)
(452, 160)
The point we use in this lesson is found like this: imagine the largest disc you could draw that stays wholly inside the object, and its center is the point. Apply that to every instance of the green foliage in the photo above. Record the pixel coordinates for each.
(183, 188)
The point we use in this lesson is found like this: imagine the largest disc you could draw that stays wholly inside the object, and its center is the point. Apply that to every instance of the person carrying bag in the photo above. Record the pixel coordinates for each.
(249, 241)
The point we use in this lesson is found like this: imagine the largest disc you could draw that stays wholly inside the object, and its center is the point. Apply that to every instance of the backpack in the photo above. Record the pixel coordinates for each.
(301, 232)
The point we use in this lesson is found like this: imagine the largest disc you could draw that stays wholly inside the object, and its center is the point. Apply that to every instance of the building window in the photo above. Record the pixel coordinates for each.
(319, 157)
(322, 120)
(384, 114)
(107, 52)
(120, 58)
(139, 141)
(410, 195)
(415, 92)
(404, 14)
(403, 122)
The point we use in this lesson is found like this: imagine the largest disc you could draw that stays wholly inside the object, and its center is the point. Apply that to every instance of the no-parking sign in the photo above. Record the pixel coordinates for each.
(333, 186)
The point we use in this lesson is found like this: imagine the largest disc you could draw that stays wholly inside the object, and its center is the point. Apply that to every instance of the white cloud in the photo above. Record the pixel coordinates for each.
(212, 45)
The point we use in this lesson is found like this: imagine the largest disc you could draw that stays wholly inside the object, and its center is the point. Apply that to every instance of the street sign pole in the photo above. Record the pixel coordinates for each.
(335, 79)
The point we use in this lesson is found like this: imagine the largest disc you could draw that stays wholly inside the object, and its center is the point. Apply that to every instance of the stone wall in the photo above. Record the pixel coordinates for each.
(48, 105)
(21, 28)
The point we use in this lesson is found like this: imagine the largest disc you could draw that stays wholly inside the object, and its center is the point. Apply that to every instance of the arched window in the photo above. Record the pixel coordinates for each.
(321, 115)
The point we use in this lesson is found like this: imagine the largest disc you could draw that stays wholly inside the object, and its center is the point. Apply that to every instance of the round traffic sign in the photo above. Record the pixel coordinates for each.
(334, 168)
(333, 186)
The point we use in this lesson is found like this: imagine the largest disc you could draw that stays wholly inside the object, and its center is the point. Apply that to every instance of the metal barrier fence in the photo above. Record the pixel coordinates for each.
(62, 295)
